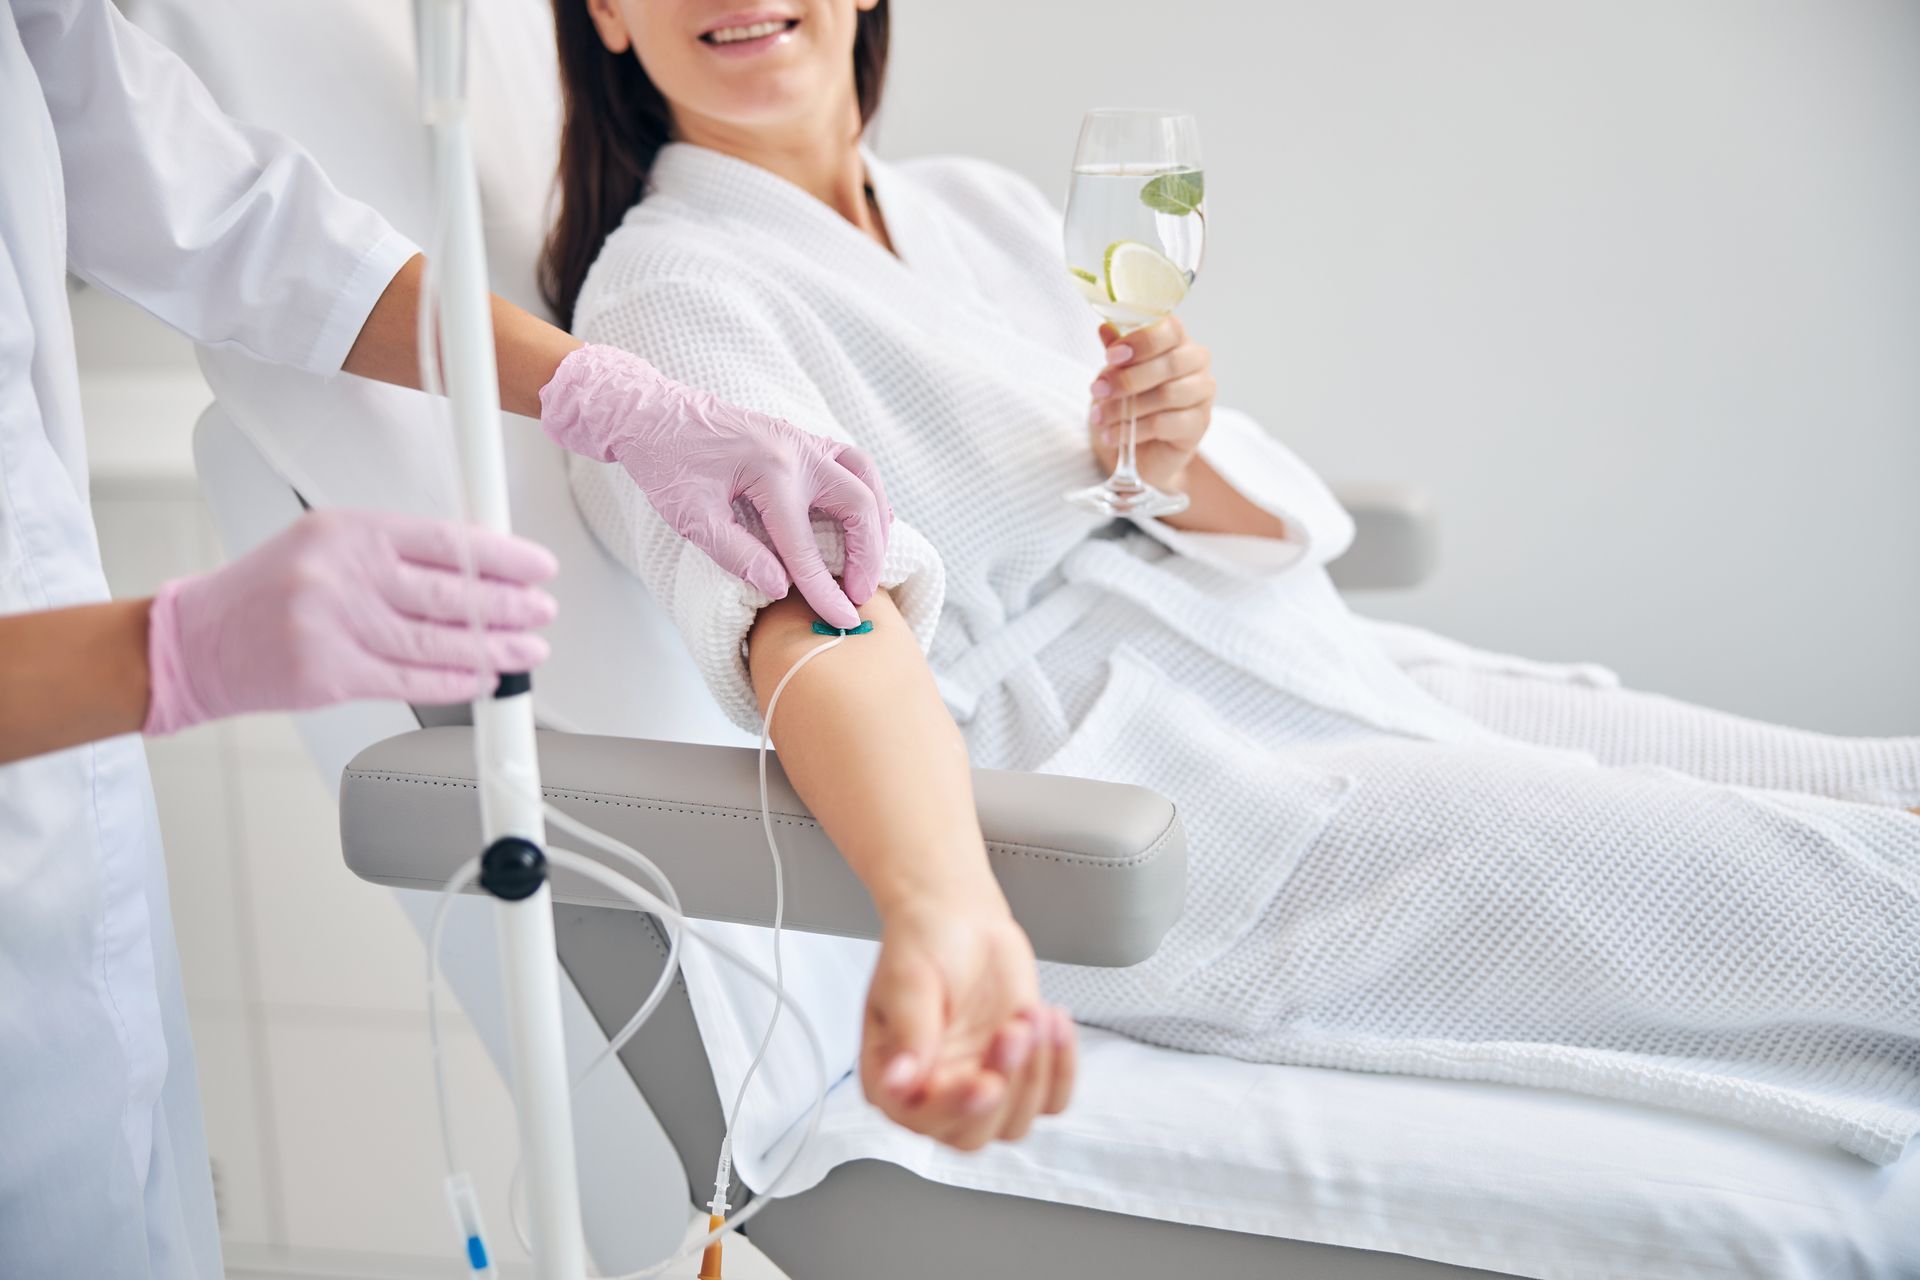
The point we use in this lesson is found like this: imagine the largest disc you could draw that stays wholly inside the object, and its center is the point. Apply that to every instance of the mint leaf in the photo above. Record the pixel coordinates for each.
(1175, 193)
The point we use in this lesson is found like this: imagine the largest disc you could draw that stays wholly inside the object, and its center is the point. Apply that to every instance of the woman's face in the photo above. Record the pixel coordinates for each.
(740, 64)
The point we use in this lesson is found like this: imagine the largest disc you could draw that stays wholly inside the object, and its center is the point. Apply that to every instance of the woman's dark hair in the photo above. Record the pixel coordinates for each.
(615, 124)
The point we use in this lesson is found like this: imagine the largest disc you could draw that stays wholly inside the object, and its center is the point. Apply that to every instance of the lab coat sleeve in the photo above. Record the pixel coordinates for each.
(228, 233)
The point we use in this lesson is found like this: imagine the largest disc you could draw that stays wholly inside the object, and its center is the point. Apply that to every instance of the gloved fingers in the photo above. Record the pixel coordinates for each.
(432, 687)
(791, 528)
(495, 555)
(867, 472)
(443, 596)
(853, 495)
(412, 642)
(742, 555)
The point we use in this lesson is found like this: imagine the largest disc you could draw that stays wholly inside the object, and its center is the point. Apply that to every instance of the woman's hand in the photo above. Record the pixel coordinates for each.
(957, 1044)
(1170, 377)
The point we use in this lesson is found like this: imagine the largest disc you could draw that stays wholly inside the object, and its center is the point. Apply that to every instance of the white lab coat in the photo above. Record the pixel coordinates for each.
(114, 161)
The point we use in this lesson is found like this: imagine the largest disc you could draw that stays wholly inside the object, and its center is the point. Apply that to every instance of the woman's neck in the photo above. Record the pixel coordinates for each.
(820, 159)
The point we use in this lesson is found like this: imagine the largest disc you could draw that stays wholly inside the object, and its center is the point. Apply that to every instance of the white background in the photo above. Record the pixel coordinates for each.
(1632, 288)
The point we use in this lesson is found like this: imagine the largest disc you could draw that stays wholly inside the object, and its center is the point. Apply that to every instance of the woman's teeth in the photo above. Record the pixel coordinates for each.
(734, 35)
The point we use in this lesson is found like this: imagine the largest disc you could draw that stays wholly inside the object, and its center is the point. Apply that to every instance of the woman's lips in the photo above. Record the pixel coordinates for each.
(748, 34)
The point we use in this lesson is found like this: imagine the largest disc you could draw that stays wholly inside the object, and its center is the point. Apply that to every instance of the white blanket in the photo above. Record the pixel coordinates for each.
(1378, 880)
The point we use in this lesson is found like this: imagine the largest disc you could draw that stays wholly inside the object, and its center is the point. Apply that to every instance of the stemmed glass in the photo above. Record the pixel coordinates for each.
(1136, 228)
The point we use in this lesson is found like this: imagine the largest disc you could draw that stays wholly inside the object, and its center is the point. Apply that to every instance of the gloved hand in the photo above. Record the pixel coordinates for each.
(343, 605)
(692, 455)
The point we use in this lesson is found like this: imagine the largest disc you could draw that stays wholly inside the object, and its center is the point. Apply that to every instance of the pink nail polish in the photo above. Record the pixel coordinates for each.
(1110, 437)
(1101, 389)
(900, 1072)
(1093, 416)
(1119, 353)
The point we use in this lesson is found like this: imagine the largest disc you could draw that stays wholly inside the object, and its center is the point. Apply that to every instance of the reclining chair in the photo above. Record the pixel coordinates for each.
(1380, 1177)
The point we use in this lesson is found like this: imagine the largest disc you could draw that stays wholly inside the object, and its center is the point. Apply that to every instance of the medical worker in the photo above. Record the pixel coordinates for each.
(115, 163)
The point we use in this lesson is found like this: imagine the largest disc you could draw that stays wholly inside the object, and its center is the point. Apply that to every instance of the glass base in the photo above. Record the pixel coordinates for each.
(1136, 499)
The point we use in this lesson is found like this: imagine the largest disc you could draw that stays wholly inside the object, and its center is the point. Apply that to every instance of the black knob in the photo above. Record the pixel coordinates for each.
(513, 868)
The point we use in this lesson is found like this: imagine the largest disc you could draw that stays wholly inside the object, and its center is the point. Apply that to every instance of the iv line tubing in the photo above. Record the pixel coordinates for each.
(723, 1174)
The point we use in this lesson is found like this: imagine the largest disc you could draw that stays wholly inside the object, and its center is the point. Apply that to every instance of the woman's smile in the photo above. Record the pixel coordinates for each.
(738, 35)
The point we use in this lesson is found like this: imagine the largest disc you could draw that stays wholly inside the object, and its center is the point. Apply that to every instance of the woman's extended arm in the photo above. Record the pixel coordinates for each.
(957, 1043)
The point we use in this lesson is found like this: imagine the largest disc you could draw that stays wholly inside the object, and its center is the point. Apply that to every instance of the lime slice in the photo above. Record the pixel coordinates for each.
(1143, 279)
(1088, 284)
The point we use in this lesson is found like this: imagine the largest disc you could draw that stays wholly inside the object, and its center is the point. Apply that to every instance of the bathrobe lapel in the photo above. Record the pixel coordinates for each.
(928, 282)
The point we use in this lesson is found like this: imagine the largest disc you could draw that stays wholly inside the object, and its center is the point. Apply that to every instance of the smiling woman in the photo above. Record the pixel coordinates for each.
(749, 35)
(782, 74)
(1563, 883)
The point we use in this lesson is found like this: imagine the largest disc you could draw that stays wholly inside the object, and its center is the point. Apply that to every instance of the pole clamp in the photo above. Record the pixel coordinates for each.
(513, 868)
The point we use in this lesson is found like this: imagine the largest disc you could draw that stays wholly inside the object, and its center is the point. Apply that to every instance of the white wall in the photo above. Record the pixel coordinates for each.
(1632, 287)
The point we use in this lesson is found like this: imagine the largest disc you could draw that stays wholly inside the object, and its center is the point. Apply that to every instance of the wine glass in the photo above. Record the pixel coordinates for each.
(1136, 227)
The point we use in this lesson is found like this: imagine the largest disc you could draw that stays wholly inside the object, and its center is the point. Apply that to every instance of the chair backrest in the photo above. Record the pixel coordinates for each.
(338, 77)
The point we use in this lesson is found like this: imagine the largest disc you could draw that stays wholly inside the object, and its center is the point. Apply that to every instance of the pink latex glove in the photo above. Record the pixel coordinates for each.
(693, 455)
(343, 605)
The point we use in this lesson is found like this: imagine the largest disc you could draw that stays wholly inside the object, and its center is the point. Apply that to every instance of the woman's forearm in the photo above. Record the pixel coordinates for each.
(1218, 507)
(526, 348)
(868, 744)
(71, 676)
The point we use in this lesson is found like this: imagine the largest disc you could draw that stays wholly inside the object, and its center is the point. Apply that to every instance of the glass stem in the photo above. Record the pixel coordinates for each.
(1126, 475)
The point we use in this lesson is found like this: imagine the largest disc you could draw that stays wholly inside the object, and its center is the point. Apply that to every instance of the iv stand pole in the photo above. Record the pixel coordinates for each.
(513, 868)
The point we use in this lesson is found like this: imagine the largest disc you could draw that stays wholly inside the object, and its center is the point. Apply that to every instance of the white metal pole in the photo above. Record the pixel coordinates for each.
(513, 867)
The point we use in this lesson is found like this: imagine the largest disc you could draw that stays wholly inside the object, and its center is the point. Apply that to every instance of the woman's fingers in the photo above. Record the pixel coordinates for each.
(901, 1041)
(1156, 339)
(1028, 1080)
(1190, 391)
(1182, 428)
(1066, 1060)
(946, 1101)
(976, 1111)
(1143, 375)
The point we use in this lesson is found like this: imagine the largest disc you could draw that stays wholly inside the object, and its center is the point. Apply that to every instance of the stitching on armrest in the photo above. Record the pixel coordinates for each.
(1041, 852)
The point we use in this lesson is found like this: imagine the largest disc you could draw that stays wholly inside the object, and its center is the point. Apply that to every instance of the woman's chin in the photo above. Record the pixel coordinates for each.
(767, 101)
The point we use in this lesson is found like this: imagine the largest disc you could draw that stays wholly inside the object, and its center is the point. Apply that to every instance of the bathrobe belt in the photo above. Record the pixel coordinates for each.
(963, 682)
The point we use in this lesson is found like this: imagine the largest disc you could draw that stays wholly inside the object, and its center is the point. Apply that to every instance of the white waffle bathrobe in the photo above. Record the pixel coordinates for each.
(1379, 880)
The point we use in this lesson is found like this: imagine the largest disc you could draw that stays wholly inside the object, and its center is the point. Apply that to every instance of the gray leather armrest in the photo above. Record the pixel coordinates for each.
(1394, 541)
(1094, 871)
